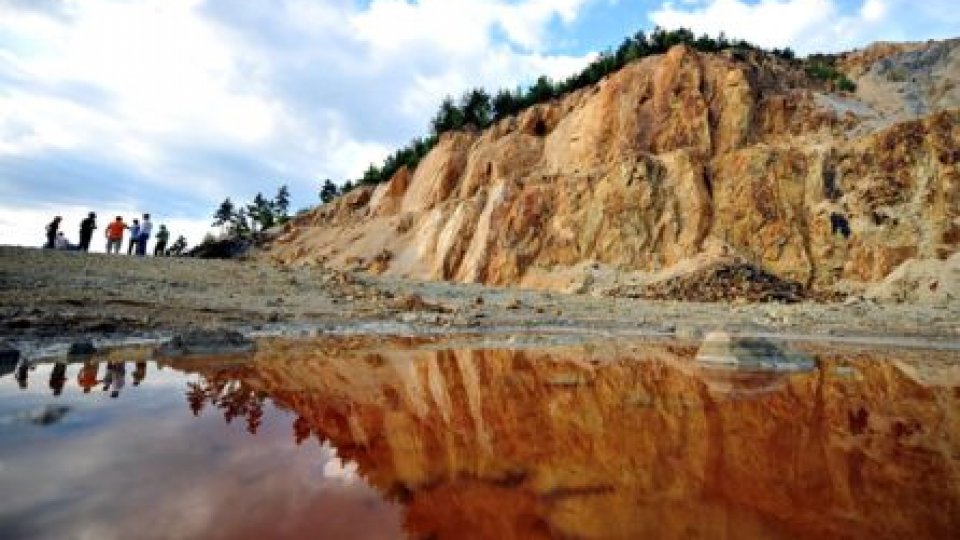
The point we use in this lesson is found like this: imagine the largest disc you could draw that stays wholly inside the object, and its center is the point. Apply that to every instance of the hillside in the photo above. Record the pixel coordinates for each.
(676, 163)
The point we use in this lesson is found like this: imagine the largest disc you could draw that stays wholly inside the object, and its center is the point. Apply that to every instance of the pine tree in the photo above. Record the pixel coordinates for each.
(224, 214)
(178, 248)
(261, 212)
(476, 108)
(281, 205)
(328, 191)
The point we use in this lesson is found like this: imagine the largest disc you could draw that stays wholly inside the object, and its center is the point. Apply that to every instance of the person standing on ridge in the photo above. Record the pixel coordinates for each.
(114, 235)
(52, 228)
(162, 236)
(87, 226)
(146, 227)
(134, 236)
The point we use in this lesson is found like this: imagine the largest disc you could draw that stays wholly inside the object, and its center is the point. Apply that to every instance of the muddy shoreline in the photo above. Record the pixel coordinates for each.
(57, 297)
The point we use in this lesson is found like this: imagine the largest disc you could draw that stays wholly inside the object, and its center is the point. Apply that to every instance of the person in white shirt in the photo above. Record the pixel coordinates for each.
(146, 227)
(61, 242)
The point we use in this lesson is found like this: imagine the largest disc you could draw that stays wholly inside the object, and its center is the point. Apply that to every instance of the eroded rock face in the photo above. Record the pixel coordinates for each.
(630, 442)
(679, 157)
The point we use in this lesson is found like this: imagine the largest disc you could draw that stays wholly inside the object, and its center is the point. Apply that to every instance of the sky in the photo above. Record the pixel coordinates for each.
(169, 106)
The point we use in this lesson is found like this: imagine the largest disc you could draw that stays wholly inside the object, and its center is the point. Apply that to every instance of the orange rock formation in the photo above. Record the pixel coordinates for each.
(633, 442)
(676, 160)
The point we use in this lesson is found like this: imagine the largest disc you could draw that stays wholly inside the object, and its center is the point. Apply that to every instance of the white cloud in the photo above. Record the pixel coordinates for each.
(873, 10)
(805, 25)
(459, 26)
(770, 23)
(163, 73)
(175, 104)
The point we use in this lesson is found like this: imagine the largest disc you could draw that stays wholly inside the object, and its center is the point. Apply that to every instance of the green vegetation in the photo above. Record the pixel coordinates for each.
(823, 67)
(328, 191)
(178, 248)
(477, 109)
(258, 215)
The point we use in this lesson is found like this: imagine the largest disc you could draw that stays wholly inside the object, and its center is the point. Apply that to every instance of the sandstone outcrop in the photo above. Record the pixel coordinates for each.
(676, 161)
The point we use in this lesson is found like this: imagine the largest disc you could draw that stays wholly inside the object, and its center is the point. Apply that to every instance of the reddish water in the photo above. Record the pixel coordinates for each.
(318, 439)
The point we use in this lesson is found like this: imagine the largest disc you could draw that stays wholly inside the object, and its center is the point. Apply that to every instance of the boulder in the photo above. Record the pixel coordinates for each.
(207, 342)
(726, 349)
(82, 348)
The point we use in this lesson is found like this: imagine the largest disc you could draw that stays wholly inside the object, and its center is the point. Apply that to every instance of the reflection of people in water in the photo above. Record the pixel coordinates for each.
(58, 377)
(87, 378)
(139, 373)
(115, 378)
(22, 370)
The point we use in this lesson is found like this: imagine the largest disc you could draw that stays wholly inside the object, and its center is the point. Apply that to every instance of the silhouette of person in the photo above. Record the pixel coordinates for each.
(160, 247)
(52, 228)
(139, 373)
(134, 236)
(114, 234)
(146, 227)
(115, 378)
(87, 378)
(22, 371)
(87, 226)
(58, 377)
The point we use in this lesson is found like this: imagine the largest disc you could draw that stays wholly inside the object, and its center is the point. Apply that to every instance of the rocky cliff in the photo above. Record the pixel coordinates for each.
(675, 162)
(627, 441)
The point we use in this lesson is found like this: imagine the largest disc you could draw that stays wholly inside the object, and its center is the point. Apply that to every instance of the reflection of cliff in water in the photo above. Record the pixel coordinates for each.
(643, 443)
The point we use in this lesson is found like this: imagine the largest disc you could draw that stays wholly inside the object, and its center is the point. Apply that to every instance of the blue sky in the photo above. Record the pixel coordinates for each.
(168, 106)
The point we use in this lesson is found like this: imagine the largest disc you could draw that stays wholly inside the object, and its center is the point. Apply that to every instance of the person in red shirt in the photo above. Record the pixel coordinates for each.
(115, 235)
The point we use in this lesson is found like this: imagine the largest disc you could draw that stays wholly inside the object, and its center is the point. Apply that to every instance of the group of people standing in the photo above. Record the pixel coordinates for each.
(113, 379)
(140, 232)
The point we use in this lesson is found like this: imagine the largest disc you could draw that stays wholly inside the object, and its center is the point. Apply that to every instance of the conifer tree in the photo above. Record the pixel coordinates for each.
(329, 191)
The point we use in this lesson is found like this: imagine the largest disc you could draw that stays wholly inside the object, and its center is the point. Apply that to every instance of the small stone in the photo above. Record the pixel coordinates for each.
(207, 342)
(514, 304)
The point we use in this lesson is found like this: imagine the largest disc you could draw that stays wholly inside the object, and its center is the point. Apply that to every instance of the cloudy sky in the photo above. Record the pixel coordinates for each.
(168, 106)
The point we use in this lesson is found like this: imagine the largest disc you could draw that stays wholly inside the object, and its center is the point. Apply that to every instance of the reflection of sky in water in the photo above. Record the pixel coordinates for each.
(494, 443)
(143, 466)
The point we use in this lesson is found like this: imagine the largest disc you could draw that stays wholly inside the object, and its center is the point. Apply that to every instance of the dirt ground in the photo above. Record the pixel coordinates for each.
(51, 295)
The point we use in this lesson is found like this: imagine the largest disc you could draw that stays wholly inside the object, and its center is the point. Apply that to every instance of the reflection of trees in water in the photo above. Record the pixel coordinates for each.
(301, 429)
(844, 450)
(234, 397)
(230, 393)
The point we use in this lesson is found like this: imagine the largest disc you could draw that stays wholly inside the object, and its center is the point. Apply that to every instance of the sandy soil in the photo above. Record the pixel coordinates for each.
(48, 295)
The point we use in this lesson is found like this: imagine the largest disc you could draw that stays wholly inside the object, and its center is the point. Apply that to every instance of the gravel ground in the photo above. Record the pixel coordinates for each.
(61, 296)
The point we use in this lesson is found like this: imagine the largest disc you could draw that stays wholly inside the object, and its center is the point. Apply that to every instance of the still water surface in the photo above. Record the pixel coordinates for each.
(412, 440)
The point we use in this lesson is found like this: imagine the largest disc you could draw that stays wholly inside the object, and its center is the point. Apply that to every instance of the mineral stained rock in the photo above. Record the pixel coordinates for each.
(620, 443)
(675, 162)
